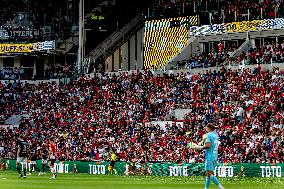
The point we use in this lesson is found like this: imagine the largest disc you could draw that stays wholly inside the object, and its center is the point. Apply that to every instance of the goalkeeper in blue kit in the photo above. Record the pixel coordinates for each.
(211, 154)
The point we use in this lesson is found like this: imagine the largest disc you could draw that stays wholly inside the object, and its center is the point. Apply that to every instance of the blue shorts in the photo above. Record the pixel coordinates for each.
(210, 165)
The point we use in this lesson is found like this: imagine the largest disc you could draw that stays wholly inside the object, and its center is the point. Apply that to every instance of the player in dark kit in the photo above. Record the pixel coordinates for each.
(33, 157)
(44, 157)
(22, 155)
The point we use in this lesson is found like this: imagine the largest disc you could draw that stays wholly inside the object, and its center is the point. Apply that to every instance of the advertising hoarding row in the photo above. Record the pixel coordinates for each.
(166, 169)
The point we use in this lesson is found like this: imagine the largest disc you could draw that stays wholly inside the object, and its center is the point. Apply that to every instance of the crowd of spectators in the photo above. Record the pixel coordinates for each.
(11, 73)
(222, 54)
(51, 72)
(238, 10)
(57, 72)
(222, 10)
(90, 117)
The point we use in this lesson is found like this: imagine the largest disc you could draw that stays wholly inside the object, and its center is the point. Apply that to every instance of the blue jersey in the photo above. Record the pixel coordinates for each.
(212, 153)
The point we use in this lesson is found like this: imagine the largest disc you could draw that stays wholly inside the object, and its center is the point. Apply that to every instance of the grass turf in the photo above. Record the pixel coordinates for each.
(9, 180)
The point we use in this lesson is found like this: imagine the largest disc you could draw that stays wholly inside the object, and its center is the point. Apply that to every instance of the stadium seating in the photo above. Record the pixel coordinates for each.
(90, 116)
(226, 10)
(39, 14)
(216, 57)
(54, 72)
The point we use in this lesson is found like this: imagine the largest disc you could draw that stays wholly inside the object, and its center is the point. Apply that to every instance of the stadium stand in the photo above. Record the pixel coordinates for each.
(150, 115)
(60, 72)
(55, 72)
(225, 11)
(36, 14)
(221, 55)
(90, 116)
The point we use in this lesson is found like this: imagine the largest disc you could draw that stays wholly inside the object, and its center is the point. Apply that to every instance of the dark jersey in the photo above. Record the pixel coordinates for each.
(34, 154)
(44, 154)
(23, 146)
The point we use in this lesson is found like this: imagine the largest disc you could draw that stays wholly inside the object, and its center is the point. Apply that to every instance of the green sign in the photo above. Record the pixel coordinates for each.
(95, 17)
(164, 169)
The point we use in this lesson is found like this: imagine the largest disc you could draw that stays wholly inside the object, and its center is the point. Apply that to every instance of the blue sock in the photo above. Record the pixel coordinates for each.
(207, 182)
(215, 180)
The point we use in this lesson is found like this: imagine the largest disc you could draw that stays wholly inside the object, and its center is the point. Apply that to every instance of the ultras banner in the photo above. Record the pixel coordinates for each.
(27, 48)
(234, 27)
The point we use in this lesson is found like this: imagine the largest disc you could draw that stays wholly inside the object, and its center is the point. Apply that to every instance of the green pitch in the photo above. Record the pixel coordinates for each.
(9, 180)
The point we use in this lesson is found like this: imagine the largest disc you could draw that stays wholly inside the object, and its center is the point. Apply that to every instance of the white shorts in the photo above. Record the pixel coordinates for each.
(33, 162)
(43, 161)
(22, 160)
(52, 157)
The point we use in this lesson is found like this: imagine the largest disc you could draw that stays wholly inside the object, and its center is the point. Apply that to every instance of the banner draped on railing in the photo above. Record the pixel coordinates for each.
(27, 48)
(234, 27)
(165, 169)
